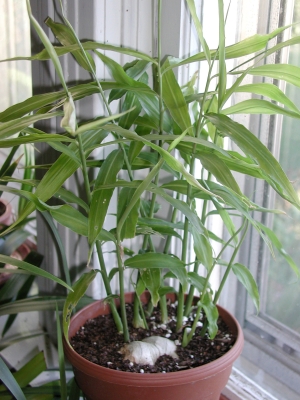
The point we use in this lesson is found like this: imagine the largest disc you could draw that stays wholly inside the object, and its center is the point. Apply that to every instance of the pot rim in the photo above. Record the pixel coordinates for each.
(4, 218)
(169, 378)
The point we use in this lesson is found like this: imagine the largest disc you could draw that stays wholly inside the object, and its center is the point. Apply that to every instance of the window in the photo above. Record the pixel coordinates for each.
(15, 76)
(272, 350)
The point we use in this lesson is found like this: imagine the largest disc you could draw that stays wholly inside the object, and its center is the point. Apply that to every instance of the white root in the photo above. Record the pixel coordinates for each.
(148, 350)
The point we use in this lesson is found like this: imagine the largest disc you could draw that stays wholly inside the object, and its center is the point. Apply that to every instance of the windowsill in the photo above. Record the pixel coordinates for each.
(241, 387)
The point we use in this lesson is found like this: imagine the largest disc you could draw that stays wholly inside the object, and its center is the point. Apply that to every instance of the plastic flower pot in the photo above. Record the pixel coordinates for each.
(204, 382)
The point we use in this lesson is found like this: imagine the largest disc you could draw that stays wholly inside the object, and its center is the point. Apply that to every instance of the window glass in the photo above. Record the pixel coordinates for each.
(283, 294)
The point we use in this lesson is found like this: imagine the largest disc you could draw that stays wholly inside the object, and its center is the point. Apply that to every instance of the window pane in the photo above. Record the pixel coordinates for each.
(283, 297)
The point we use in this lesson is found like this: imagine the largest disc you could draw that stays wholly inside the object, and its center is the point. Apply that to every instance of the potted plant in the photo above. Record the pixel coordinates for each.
(160, 127)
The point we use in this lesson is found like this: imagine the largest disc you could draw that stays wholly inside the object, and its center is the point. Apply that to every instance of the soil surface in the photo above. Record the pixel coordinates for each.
(99, 342)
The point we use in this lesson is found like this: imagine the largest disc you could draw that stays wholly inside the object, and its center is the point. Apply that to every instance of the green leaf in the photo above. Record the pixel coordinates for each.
(10, 382)
(64, 34)
(252, 146)
(152, 280)
(101, 198)
(219, 169)
(285, 72)
(161, 226)
(203, 249)
(89, 45)
(134, 70)
(48, 46)
(222, 55)
(124, 200)
(32, 269)
(11, 127)
(175, 101)
(28, 372)
(268, 90)
(60, 171)
(243, 48)
(196, 280)
(198, 26)
(257, 106)
(130, 103)
(78, 290)
(276, 242)
(71, 218)
(161, 261)
(61, 358)
(211, 313)
(69, 197)
(38, 303)
(245, 277)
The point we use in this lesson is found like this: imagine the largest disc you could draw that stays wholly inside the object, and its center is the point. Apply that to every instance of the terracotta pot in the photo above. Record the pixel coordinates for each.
(6, 216)
(205, 382)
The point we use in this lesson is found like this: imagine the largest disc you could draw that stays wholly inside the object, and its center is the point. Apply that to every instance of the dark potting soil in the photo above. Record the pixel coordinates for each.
(99, 342)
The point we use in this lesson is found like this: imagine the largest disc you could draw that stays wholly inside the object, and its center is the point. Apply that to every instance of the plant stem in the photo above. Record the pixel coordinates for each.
(163, 309)
(122, 294)
(228, 269)
(189, 300)
(138, 321)
(114, 311)
(108, 290)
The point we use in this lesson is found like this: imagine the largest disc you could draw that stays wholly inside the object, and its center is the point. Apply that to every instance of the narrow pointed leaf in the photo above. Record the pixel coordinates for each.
(175, 101)
(48, 46)
(222, 56)
(203, 249)
(211, 313)
(161, 261)
(61, 358)
(196, 280)
(89, 45)
(219, 169)
(78, 290)
(11, 127)
(129, 227)
(71, 218)
(257, 106)
(276, 242)
(245, 277)
(198, 26)
(243, 48)
(285, 72)
(268, 90)
(66, 38)
(101, 198)
(10, 382)
(31, 369)
(60, 171)
(32, 269)
(152, 280)
(251, 145)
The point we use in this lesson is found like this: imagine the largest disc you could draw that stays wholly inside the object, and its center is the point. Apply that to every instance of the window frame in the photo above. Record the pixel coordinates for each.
(271, 349)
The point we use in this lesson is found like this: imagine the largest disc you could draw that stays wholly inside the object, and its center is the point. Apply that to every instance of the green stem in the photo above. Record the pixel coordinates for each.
(138, 321)
(180, 307)
(163, 309)
(108, 290)
(228, 269)
(190, 297)
(188, 337)
(114, 311)
(122, 294)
